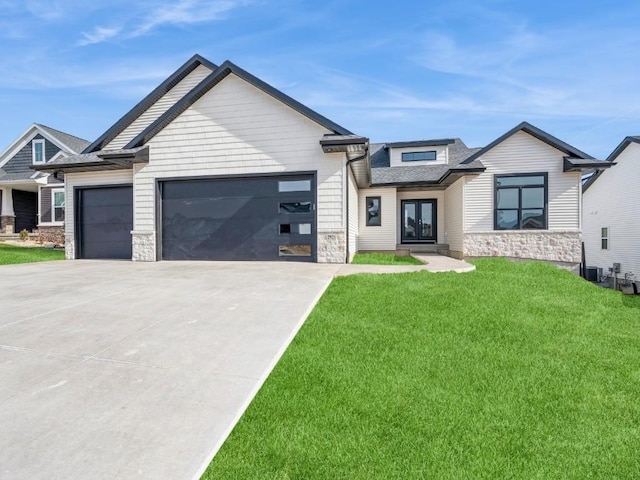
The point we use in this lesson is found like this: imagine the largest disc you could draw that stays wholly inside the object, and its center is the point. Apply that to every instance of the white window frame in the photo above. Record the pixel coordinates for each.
(53, 205)
(35, 142)
(604, 237)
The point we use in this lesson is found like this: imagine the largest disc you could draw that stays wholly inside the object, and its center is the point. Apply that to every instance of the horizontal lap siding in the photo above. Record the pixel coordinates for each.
(522, 153)
(236, 129)
(453, 215)
(158, 108)
(72, 180)
(384, 236)
(612, 202)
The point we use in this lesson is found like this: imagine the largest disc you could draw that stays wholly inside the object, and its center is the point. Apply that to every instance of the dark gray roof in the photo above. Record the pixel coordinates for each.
(581, 165)
(382, 173)
(211, 81)
(422, 143)
(76, 144)
(16, 176)
(103, 159)
(616, 152)
(175, 78)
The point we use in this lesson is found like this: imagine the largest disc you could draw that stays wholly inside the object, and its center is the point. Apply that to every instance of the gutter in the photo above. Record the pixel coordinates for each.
(346, 171)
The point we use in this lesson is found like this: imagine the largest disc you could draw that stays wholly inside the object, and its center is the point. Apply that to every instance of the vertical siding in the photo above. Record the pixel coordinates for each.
(453, 215)
(612, 201)
(45, 205)
(353, 215)
(160, 107)
(384, 236)
(523, 153)
(424, 195)
(72, 180)
(236, 129)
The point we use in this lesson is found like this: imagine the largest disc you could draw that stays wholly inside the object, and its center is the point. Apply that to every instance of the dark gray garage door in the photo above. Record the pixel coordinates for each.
(255, 218)
(104, 222)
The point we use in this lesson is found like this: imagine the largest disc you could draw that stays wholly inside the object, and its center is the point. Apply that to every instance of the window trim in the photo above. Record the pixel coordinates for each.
(366, 211)
(435, 156)
(604, 238)
(544, 185)
(38, 141)
(53, 205)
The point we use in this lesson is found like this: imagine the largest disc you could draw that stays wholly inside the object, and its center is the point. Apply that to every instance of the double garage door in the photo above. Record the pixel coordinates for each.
(254, 218)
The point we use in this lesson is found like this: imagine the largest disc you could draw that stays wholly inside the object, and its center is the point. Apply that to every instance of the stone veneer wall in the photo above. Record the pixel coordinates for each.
(332, 246)
(53, 234)
(548, 245)
(69, 246)
(144, 246)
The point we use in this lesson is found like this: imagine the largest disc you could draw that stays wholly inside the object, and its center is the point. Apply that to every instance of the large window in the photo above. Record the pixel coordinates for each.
(37, 150)
(373, 212)
(521, 202)
(418, 156)
(57, 208)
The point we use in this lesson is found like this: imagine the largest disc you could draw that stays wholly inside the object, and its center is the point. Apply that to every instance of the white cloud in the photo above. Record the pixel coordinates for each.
(98, 35)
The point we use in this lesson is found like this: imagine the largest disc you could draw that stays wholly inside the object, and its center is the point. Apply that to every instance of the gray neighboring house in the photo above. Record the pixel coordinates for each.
(32, 200)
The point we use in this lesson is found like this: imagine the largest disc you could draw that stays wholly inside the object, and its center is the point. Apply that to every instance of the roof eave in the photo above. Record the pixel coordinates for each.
(578, 165)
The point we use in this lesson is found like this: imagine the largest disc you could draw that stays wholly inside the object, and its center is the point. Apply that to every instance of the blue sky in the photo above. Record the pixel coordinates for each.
(391, 71)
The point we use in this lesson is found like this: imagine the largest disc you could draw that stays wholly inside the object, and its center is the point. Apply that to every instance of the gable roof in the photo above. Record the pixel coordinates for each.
(615, 154)
(537, 133)
(127, 119)
(210, 82)
(66, 142)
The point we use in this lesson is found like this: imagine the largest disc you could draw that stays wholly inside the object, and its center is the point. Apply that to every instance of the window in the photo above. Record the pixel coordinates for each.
(294, 250)
(294, 186)
(521, 202)
(37, 150)
(295, 207)
(604, 241)
(418, 156)
(373, 212)
(57, 208)
(295, 228)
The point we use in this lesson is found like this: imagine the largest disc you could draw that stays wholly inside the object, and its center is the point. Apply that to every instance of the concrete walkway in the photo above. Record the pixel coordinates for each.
(432, 263)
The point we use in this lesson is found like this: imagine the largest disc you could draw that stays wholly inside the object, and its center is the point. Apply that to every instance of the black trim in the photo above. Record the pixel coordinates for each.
(403, 159)
(578, 164)
(211, 81)
(128, 118)
(537, 133)
(447, 174)
(545, 185)
(421, 143)
(434, 214)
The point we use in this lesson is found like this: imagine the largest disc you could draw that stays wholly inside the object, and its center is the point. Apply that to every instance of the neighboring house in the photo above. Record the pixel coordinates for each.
(215, 164)
(31, 200)
(610, 220)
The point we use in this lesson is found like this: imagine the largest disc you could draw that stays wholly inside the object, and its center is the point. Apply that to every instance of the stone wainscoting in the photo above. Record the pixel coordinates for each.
(332, 246)
(143, 246)
(53, 234)
(551, 246)
(69, 247)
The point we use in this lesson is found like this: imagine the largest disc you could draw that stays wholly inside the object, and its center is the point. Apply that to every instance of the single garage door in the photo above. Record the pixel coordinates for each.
(104, 222)
(252, 218)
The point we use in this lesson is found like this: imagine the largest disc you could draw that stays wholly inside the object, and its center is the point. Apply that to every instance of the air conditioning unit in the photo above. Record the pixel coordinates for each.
(594, 274)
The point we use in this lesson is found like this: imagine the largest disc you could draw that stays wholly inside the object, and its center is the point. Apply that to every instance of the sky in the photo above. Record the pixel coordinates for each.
(391, 71)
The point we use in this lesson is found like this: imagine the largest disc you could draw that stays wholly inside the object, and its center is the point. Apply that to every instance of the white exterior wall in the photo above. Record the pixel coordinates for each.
(383, 237)
(437, 195)
(395, 156)
(612, 201)
(453, 215)
(353, 215)
(236, 129)
(72, 180)
(523, 153)
(160, 107)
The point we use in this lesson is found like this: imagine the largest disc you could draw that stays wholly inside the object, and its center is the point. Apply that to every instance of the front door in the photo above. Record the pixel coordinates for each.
(419, 221)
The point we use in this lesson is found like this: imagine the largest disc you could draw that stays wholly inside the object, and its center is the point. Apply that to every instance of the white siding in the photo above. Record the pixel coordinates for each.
(237, 129)
(384, 236)
(72, 180)
(453, 215)
(395, 156)
(523, 153)
(160, 107)
(423, 195)
(353, 216)
(612, 201)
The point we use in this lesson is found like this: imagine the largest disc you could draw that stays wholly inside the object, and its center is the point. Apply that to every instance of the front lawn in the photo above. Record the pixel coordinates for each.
(384, 259)
(511, 371)
(15, 254)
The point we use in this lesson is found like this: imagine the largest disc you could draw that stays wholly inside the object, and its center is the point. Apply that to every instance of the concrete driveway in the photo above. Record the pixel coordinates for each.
(138, 370)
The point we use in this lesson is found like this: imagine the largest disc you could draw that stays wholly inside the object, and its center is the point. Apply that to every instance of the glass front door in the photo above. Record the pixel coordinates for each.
(419, 221)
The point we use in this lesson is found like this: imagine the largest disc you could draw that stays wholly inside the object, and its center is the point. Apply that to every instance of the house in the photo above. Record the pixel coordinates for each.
(31, 200)
(215, 164)
(610, 220)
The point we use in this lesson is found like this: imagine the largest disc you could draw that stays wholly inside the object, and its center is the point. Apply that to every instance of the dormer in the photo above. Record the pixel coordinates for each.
(419, 153)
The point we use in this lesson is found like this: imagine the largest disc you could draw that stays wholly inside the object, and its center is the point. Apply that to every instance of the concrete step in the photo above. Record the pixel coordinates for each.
(424, 247)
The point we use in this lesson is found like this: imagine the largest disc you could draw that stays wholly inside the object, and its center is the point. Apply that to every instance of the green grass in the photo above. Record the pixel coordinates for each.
(10, 254)
(384, 259)
(511, 371)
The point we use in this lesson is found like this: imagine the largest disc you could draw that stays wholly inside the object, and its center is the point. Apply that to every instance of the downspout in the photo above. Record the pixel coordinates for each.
(346, 171)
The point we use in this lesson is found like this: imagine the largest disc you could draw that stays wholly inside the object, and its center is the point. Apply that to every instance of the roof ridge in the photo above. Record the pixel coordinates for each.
(60, 131)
